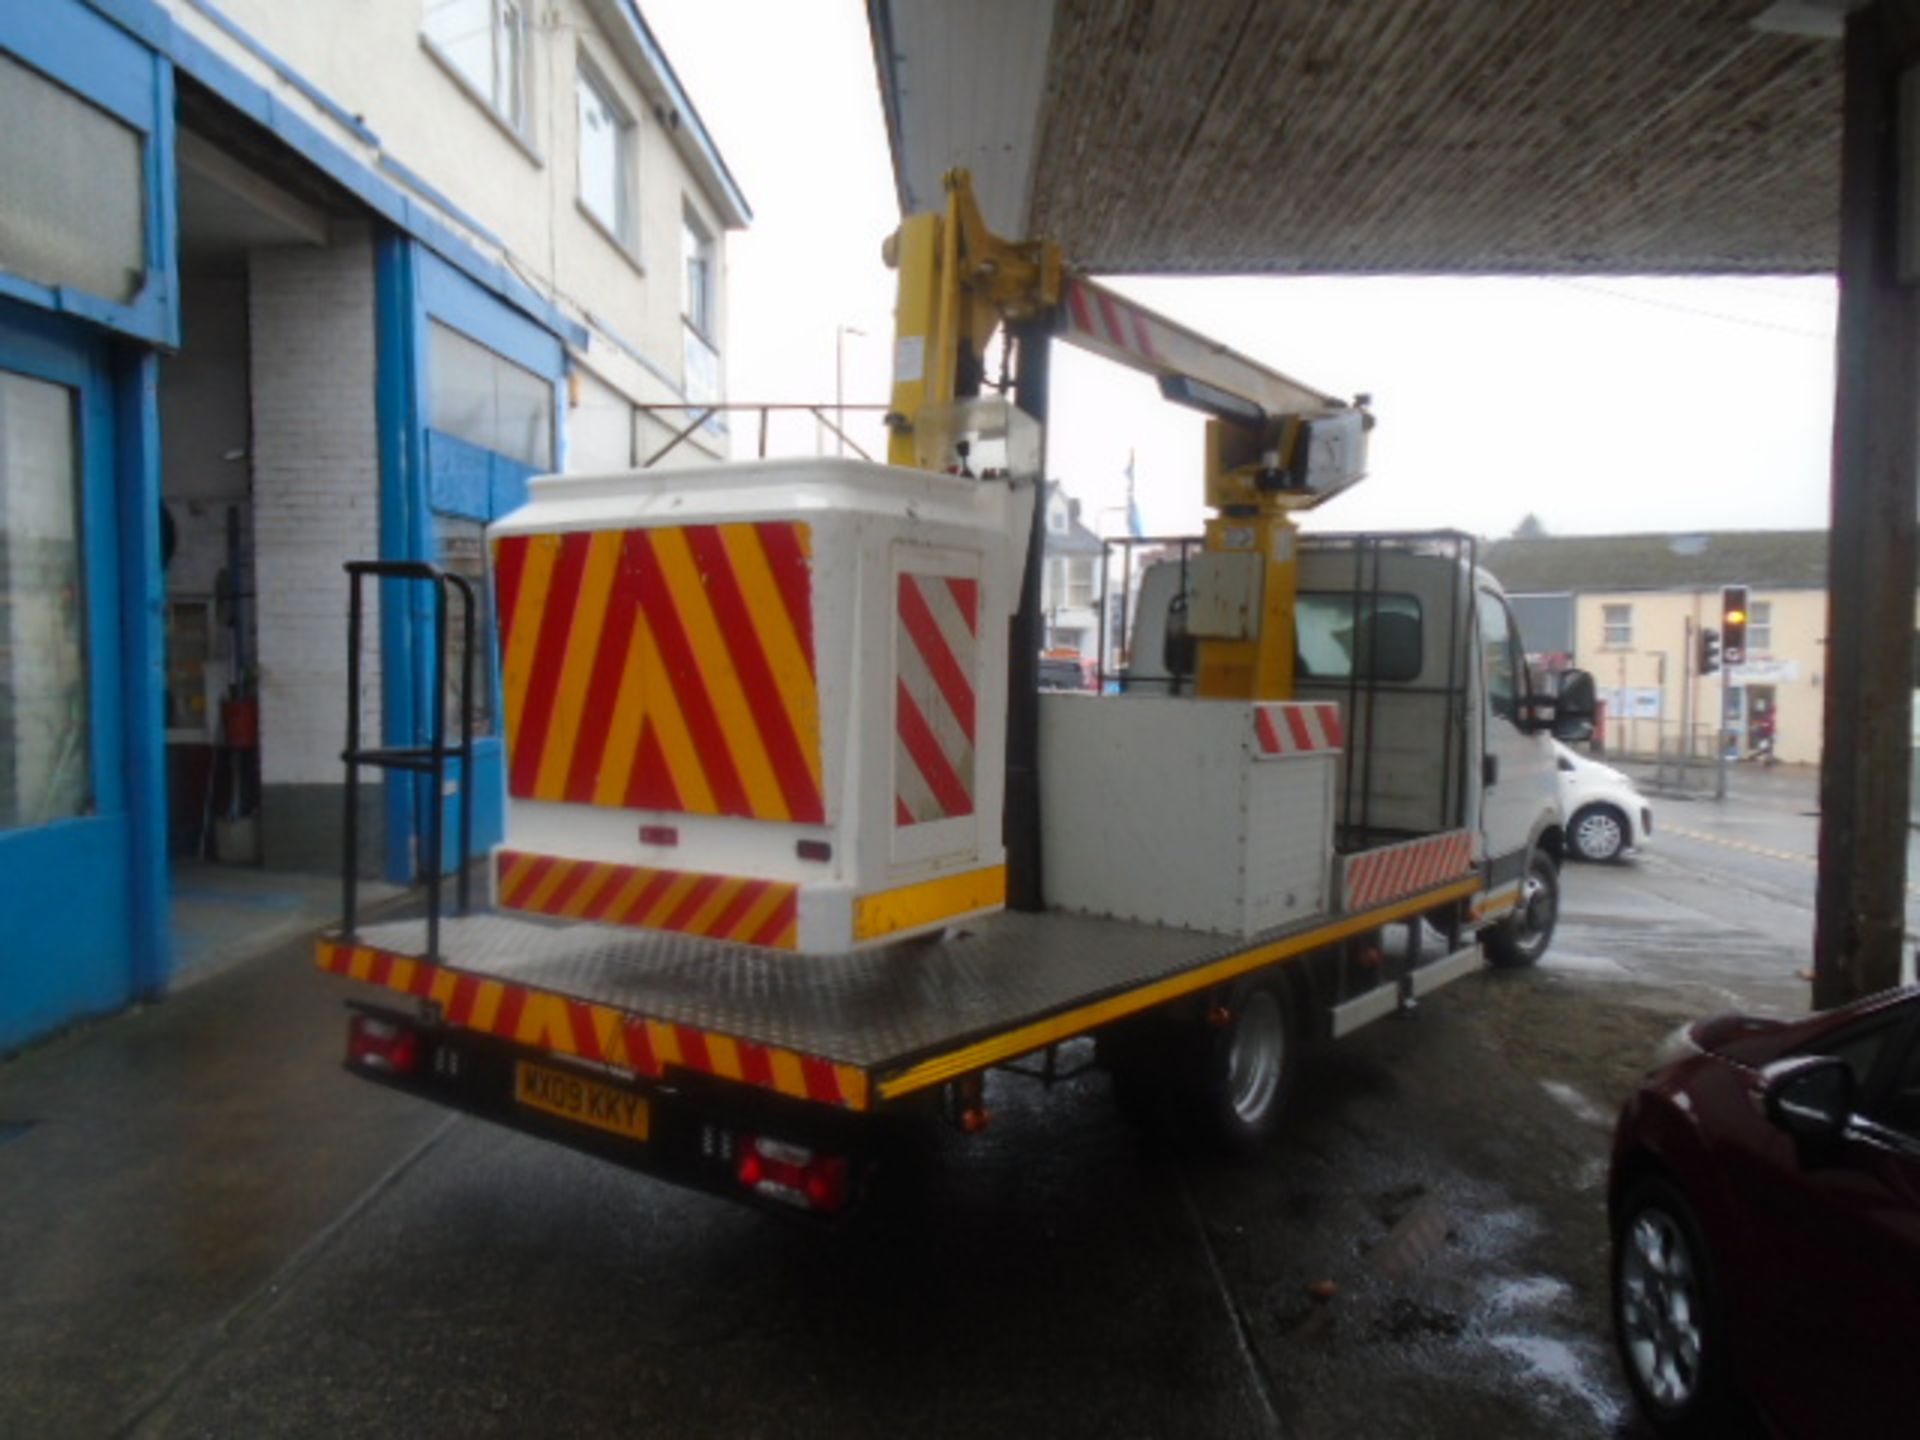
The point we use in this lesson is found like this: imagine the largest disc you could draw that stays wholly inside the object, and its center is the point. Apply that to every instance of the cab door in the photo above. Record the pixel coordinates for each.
(1516, 768)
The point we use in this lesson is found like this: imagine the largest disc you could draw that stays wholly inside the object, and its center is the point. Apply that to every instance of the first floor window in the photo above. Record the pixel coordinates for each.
(1616, 626)
(1080, 583)
(1760, 626)
(697, 242)
(606, 158)
(485, 43)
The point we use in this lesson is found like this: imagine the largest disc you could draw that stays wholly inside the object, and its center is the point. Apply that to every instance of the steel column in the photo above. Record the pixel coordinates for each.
(1021, 825)
(1876, 459)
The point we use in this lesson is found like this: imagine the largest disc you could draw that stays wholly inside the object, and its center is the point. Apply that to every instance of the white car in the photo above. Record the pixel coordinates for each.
(1602, 814)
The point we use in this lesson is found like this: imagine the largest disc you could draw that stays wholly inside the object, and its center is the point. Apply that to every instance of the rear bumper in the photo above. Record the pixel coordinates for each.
(695, 1124)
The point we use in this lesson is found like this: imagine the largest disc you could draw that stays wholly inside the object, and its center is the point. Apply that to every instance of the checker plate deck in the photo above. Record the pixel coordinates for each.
(880, 1010)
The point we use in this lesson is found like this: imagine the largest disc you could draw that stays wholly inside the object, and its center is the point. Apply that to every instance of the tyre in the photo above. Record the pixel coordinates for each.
(1598, 833)
(1247, 1068)
(1522, 937)
(1666, 1315)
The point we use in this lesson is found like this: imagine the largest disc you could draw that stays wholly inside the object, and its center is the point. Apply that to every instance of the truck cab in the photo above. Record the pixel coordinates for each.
(1420, 649)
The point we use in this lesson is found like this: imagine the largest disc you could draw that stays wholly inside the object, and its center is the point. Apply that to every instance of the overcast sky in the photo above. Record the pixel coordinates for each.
(1601, 404)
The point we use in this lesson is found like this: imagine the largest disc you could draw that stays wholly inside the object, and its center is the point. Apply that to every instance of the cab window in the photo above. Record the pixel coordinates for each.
(1343, 636)
(1500, 655)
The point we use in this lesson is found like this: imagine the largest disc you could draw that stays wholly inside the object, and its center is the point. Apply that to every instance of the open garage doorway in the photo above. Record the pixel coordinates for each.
(276, 302)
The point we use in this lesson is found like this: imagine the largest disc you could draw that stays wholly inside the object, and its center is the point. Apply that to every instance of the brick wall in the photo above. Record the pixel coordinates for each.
(316, 496)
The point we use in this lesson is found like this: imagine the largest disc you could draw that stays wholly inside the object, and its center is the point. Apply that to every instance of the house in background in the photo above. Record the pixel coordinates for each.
(1069, 592)
(283, 285)
(1630, 608)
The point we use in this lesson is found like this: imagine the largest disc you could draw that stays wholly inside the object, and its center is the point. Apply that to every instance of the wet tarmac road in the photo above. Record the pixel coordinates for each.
(1441, 1176)
(1422, 1254)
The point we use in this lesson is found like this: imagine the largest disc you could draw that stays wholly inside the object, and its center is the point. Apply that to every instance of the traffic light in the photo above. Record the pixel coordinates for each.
(1709, 652)
(1733, 624)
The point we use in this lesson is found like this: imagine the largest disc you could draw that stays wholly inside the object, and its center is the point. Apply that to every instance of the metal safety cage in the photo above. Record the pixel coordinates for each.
(1117, 622)
(428, 760)
(1356, 830)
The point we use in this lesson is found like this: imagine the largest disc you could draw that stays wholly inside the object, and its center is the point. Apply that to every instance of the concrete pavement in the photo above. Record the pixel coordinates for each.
(176, 1163)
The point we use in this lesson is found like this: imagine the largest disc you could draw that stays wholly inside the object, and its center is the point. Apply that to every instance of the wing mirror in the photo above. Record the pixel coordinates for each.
(1575, 707)
(1809, 1096)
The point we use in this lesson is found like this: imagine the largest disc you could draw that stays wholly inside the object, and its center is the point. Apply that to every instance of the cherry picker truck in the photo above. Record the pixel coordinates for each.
(797, 852)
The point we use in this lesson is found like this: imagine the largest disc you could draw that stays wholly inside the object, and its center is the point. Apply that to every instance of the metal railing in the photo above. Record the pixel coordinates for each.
(702, 413)
(430, 759)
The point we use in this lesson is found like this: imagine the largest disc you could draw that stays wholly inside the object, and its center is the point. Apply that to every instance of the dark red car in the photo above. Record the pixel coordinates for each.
(1765, 1203)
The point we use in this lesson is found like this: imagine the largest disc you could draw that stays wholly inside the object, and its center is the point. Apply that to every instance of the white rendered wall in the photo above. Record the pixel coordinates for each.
(521, 189)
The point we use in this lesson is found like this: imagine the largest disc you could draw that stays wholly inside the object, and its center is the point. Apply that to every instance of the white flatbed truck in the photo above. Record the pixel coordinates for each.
(747, 970)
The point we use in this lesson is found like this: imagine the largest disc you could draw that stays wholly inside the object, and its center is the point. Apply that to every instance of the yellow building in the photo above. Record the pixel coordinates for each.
(1631, 608)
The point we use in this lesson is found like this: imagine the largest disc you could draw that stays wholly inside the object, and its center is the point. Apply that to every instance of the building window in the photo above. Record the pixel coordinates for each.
(484, 42)
(1080, 584)
(1616, 626)
(75, 187)
(606, 159)
(460, 546)
(696, 241)
(46, 767)
(1760, 626)
(486, 400)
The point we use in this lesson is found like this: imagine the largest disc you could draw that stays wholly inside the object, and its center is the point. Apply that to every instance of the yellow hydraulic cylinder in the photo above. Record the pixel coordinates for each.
(1261, 666)
(917, 342)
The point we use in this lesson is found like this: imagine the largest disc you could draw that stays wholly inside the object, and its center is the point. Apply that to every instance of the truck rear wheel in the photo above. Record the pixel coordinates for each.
(1248, 1066)
(1522, 937)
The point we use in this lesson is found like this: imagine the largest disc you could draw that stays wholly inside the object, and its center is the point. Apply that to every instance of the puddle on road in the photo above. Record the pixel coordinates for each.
(1579, 1104)
(1585, 964)
(1529, 1292)
(1562, 1366)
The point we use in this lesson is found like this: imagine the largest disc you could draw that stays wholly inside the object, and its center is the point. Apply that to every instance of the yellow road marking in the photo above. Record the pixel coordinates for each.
(1790, 857)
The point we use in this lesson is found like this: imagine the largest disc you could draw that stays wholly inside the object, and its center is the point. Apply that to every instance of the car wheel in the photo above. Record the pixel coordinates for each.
(1522, 937)
(1598, 833)
(1665, 1314)
(1247, 1068)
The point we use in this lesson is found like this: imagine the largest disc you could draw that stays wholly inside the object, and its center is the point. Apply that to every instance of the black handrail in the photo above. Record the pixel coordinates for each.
(431, 758)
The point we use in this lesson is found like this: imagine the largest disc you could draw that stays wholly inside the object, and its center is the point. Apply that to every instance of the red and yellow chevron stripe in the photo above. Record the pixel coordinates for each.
(1373, 877)
(663, 669)
(939, 622)
(562, 1025)
(723, 907)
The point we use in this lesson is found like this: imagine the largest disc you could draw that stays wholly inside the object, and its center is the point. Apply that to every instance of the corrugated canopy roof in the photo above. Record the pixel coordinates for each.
(1248, 136)
(1561, 564)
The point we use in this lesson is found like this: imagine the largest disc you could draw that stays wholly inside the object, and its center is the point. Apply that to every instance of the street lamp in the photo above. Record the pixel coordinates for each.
(840, 333)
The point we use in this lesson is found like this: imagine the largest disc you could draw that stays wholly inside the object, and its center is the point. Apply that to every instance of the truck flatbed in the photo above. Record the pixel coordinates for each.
(853, 1030)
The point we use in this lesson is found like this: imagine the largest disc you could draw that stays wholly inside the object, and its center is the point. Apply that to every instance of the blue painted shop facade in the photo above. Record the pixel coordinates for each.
(97, 678)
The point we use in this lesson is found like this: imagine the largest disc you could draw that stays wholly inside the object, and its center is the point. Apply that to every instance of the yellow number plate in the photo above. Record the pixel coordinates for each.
(586, 1102)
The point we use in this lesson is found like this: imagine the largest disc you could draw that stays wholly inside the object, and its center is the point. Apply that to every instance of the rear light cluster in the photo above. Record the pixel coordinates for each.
(384, 1045)
(792, 1174)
